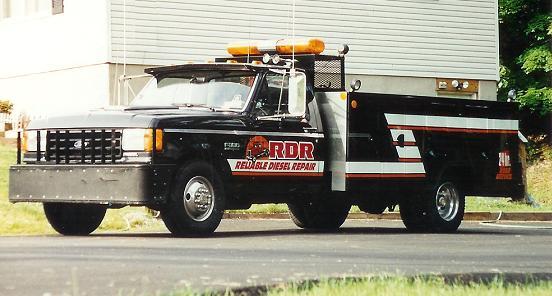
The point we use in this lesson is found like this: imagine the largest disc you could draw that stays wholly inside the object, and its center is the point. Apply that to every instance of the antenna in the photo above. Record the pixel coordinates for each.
(122, 77)
(124, 37)
(249, 40)
(293, 35)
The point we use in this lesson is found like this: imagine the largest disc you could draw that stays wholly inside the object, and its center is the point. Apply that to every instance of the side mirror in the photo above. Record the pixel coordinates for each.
(297, 95)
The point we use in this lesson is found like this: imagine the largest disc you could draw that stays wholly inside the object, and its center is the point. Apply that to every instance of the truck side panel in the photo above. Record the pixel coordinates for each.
(403, 144)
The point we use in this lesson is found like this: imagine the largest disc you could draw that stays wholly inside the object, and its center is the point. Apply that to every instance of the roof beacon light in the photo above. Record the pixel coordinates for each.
(266, 58)
(281, 46)
(276, 59)
(243, 48)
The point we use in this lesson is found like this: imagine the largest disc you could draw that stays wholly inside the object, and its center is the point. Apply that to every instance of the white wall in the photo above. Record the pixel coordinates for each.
(52, 64)
(58, 92)
(417, 38)
(45, 42)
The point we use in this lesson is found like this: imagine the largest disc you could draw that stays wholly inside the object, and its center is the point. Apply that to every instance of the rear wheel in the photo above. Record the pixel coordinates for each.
(441, 210)
(320, 214)
(197, 201)
(74, 219)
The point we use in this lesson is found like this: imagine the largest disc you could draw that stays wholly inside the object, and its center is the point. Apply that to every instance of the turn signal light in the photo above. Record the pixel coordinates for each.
(24, 141)
(148, 140)
(281, 46)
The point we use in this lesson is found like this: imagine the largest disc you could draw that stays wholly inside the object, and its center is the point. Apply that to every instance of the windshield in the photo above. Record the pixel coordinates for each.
(213, 89)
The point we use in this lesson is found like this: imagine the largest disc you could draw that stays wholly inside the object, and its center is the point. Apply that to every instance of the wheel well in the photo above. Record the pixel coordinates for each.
(200, 155)
(219, 165)
(461, 175)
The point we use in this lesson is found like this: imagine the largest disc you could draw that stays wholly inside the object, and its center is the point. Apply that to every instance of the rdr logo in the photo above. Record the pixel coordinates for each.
(277, 158)
(259, 147)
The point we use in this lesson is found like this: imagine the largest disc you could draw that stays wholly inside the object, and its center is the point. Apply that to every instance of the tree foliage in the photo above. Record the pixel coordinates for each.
(526, 56)
(6, 107)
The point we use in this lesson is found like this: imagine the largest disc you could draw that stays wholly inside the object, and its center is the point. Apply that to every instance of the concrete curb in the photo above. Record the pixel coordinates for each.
(469, 216)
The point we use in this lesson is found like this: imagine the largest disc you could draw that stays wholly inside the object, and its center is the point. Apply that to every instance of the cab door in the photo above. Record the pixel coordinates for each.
(284, 149)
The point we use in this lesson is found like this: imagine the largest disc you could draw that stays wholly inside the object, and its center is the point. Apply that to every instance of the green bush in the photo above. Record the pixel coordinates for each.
(6, 106)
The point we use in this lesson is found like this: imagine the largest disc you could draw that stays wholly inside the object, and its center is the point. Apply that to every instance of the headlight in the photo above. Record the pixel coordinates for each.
(140, 139)
(28, 143)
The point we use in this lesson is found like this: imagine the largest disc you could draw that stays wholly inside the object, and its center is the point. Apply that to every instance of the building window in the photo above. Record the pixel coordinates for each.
(4, 9)
(57, 6)
(23, 8)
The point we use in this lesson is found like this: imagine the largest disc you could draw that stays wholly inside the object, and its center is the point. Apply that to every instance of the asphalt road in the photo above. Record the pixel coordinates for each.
(244, 253)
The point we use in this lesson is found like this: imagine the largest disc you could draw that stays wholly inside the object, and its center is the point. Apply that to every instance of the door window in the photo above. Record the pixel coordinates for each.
(272, 98)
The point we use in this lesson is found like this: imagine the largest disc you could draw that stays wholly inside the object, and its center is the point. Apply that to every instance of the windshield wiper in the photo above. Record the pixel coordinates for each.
(190, 105)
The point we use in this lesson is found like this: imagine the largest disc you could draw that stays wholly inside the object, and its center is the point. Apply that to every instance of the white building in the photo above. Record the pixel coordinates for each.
(58, 56)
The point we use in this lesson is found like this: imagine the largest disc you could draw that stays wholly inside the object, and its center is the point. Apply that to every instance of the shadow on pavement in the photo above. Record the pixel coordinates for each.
(345, 231)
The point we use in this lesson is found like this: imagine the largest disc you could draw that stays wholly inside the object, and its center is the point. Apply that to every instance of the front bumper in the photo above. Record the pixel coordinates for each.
(139, 184)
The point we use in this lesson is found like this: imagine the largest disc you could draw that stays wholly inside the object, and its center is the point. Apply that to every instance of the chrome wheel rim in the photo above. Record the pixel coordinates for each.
(199, 198)
(447, 201)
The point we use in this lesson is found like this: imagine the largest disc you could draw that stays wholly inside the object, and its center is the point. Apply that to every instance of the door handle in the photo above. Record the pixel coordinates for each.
(400, 140)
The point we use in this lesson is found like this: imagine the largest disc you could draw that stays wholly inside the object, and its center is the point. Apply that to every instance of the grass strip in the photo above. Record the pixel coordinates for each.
(458, 285)
(421, 286)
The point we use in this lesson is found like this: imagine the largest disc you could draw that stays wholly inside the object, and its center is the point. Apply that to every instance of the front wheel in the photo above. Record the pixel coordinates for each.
(74, 219)
(197, 201)
(440, 210)
(323, 214)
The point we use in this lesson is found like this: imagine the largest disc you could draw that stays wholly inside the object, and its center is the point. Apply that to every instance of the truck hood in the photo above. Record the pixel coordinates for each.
(123, 117)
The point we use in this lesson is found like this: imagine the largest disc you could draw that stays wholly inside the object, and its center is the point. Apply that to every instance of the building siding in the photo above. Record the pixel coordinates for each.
(417, 38)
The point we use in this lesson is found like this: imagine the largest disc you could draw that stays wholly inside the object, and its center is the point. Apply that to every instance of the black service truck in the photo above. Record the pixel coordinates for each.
(282, 127)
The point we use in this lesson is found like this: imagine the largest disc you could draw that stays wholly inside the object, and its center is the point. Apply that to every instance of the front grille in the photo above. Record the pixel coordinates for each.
(83, 146)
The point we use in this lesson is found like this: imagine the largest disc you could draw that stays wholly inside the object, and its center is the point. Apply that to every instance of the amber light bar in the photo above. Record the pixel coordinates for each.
(280, 46)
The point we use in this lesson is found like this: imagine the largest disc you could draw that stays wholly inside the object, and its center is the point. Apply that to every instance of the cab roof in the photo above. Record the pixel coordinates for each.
(213, 66)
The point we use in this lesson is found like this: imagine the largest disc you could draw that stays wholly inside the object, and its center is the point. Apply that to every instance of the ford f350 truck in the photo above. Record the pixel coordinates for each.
(274, 123)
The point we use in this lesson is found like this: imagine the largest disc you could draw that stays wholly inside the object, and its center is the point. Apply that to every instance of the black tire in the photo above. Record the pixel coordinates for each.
(439, 210)
(413, 213)
(74, 219)
(200, 215)
(328, 214)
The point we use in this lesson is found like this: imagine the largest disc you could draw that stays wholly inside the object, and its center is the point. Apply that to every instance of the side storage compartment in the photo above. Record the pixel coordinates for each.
(427, 154)
(383, 160)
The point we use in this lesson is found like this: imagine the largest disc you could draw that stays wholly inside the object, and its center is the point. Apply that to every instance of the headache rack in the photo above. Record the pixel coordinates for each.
(85, 146)
(326, 72)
